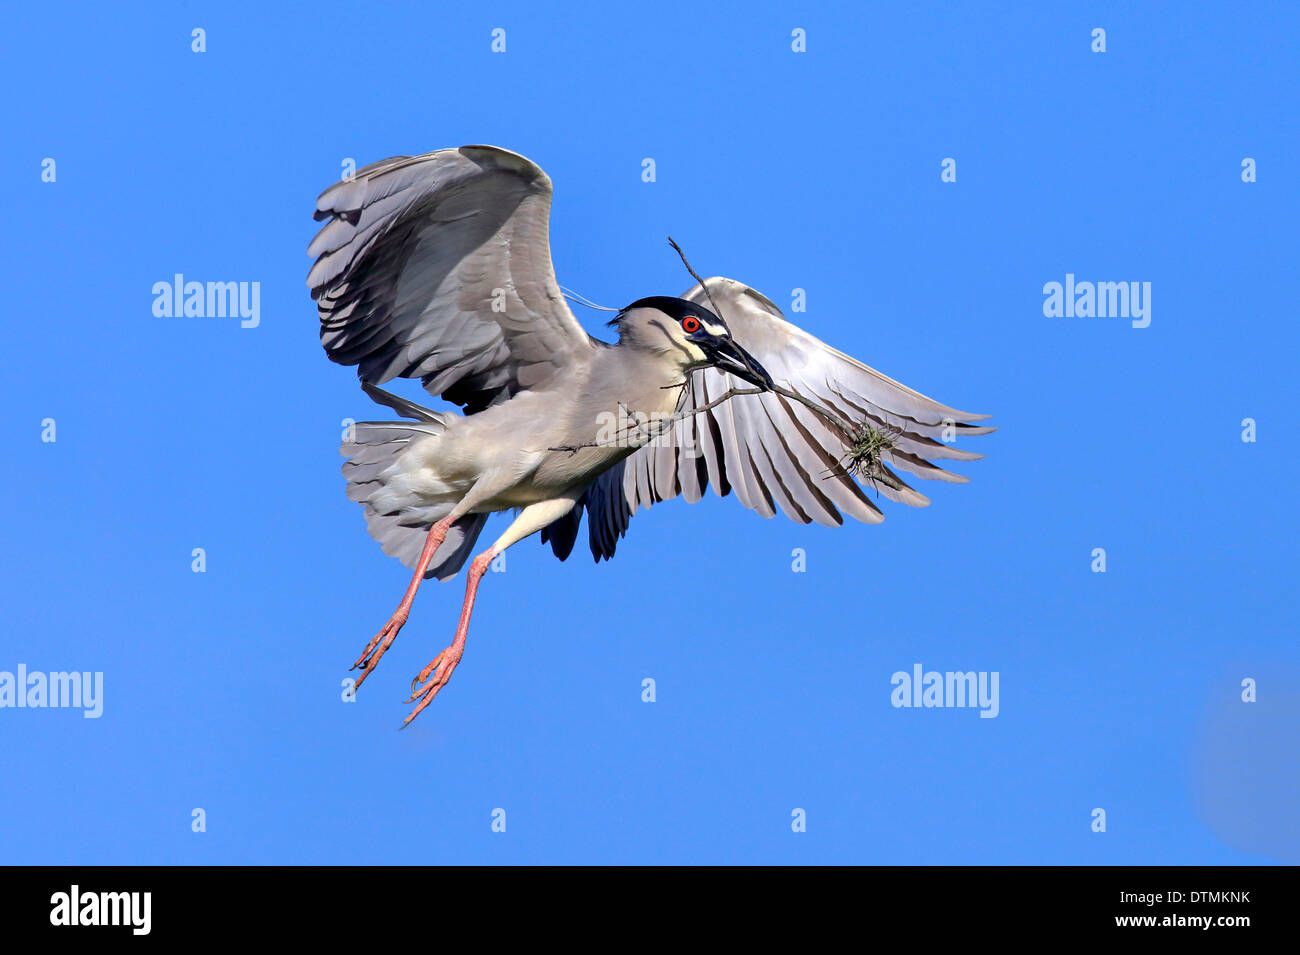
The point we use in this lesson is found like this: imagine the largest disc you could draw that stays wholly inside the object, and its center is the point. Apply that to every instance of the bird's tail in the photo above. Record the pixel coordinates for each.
(372, 450)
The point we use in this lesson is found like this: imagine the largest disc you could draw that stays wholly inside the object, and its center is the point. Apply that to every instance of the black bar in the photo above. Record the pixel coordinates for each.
(307, 904)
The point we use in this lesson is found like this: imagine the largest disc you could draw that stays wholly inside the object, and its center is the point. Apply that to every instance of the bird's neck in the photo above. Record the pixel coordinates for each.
(647, 380)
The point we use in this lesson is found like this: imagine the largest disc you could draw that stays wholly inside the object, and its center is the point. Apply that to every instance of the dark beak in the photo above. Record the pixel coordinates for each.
(730, 357)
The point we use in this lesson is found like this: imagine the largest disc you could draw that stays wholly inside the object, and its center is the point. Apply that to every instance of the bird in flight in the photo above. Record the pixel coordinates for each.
(438, 267)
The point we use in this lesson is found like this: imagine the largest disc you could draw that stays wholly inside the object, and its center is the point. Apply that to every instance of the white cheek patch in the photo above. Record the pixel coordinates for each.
(717, 331)
(695, 351)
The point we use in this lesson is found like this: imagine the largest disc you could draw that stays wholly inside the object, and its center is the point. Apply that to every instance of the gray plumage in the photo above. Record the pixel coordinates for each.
(438, 267)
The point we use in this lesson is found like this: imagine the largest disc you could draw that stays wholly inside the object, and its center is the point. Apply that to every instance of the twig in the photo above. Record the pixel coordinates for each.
(845, 429)
(865, 445)
(618, 442)
(696, 275)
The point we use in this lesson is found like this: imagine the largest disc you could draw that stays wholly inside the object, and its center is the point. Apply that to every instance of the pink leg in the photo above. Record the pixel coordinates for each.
(436, 674)
(375, 650)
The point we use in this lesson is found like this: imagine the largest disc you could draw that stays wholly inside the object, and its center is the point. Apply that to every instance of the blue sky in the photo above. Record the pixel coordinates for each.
(817, 170)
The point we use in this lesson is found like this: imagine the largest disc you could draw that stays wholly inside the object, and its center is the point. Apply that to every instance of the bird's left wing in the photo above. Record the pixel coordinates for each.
(438, 267)
(774, 452)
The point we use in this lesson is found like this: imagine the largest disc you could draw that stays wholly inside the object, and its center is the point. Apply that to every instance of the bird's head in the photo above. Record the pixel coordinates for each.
(691, 331)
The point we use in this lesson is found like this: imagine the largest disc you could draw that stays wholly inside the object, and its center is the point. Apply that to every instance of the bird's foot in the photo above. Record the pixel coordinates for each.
(380, 642)
(433, 678)
(378, 646)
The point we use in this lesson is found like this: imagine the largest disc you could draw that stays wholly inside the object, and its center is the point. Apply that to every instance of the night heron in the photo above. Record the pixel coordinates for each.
(438, 267)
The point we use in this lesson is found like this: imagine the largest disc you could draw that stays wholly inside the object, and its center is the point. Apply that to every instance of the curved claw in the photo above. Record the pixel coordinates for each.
(430, 680)
(365, 654)
(423, 676)
(425, 700)
(377, 647)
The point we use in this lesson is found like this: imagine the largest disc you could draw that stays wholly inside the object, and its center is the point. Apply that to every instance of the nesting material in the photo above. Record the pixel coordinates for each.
(864, 449)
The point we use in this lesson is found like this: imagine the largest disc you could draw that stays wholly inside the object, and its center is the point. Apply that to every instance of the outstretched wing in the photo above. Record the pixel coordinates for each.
(438, 267)
(773, 452)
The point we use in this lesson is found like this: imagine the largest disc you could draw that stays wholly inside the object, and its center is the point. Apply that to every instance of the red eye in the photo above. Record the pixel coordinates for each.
(690, 324)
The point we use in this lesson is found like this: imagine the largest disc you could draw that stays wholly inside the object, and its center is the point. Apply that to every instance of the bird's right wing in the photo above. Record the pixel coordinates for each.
(438, 267)
(774, 452)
